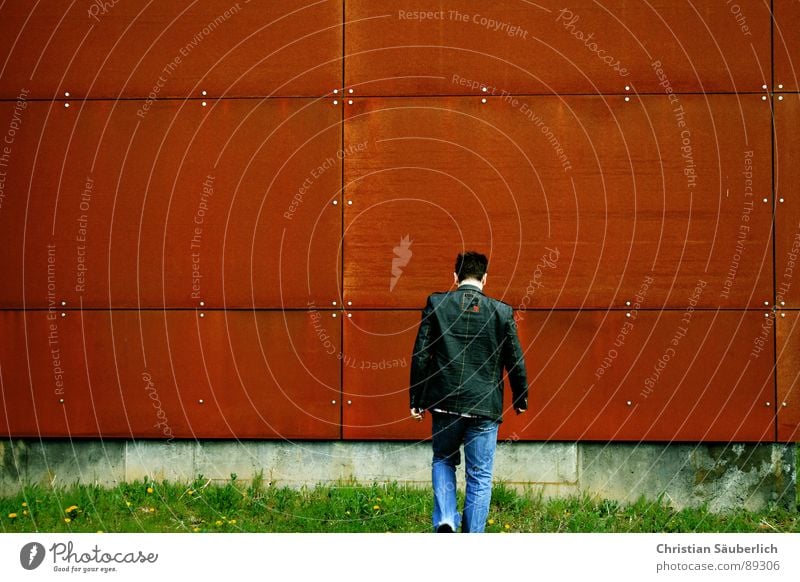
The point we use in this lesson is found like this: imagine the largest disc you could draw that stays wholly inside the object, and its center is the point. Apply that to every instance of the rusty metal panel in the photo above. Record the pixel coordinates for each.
(375, 376)
(447, 48)
(159, 374)
(681, 375)
(170, 49)
(787, 206)
(786, 23)
(788, 366)
(579, 201)
(232, 204)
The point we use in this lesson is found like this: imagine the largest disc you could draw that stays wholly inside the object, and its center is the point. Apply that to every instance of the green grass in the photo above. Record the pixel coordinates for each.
(237, 506)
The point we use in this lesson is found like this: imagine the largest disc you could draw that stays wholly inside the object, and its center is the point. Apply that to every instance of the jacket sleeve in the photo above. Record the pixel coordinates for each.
(421, 357)
(514, 363)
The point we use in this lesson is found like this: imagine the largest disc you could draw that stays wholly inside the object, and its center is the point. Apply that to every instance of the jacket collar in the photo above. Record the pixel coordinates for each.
(471, 287)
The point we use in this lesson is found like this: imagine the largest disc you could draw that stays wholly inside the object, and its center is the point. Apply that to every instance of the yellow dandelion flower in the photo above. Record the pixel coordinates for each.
(71, 508)
(12, 515)
(347, 512)
(67, 520)
(191, 491)
(128, 503)
(196, 529)
(377, 498)
(376, 507)
(490, 522)
(99, 531)
(149, 489)
(218, 522)
(24, 512)
(232, 521)
(508, 526)
(24, 504)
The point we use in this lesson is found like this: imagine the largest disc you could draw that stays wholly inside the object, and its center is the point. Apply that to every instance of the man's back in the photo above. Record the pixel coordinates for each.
(465, 341)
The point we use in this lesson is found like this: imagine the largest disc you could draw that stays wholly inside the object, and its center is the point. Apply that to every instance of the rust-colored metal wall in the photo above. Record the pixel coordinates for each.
(222, 219)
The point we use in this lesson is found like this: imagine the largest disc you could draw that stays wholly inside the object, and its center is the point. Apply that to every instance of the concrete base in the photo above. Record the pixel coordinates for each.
(725, 476)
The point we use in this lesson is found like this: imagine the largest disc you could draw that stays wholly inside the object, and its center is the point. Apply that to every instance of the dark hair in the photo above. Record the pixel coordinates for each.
(471, 264)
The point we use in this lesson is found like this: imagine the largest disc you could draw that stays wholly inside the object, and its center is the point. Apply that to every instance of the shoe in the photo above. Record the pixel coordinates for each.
(444, 528)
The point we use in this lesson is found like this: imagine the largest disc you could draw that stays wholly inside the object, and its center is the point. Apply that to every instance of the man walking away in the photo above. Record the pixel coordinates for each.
(465, 341)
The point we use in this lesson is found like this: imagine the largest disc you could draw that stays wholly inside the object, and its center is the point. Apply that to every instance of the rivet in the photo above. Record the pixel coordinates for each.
(66, 93)
(483, 100)
(333, 302)
(333, 315)
(61, 400)
(349, 315)
(767, 403)
(765, 200)
(336, 90)
(349, 101)
(780, 200)
(764, 86)
(349, 401)
(627, 87)
(63, 314)
(200, 401)
(766, 302)
(349, 202)
(63, 303)
(202, 304)
(783, 303)
(203, 93)
(627, 98)
(629, 403)
(336, 102)
(784, 404)
(484, 89)
(780, 86)
(202, 314)
(780, 97)
(783, 314)
(763, 97)
(335, 202)
(627, 303)
(66, 104)
(203, 104)
(628, 314)
(349, 302)
(766, 315)
(350, 91)
(333, 402)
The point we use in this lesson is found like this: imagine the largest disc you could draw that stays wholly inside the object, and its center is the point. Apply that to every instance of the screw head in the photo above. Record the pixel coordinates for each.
(333, 302)
(349, 401)
(780, 85)
(336, 91)
(764, 86)
(336, 102)
(629, 403)
(780, 97)
(63, 314)
(766, 302)
(627, 303)
(333, 402)
(202, 314)
(63, 303)
(349, 315)
(767, 403)
(765, 200)
(66, 104)
(483, 100)
(200, 401)
(349, 202)
(627, 98)
(61, 400)
(203, 104)
(202, 304)
(763, 97)
(349, 101)
(203, 93)
(333, 315)
(335, 202)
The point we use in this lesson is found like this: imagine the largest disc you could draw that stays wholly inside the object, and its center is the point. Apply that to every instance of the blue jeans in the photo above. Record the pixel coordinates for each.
(479, 436)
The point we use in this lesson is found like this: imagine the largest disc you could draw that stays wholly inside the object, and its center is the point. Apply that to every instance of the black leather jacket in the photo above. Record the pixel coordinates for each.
(464, 342)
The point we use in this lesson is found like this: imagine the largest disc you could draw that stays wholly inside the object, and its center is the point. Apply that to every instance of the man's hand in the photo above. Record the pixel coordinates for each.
(417, 413)
(520, 410)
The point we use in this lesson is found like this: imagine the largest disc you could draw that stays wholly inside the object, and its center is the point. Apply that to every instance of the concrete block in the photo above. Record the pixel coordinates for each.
(725, 476)
(13, 464)
(64, 462)
(160, 460)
